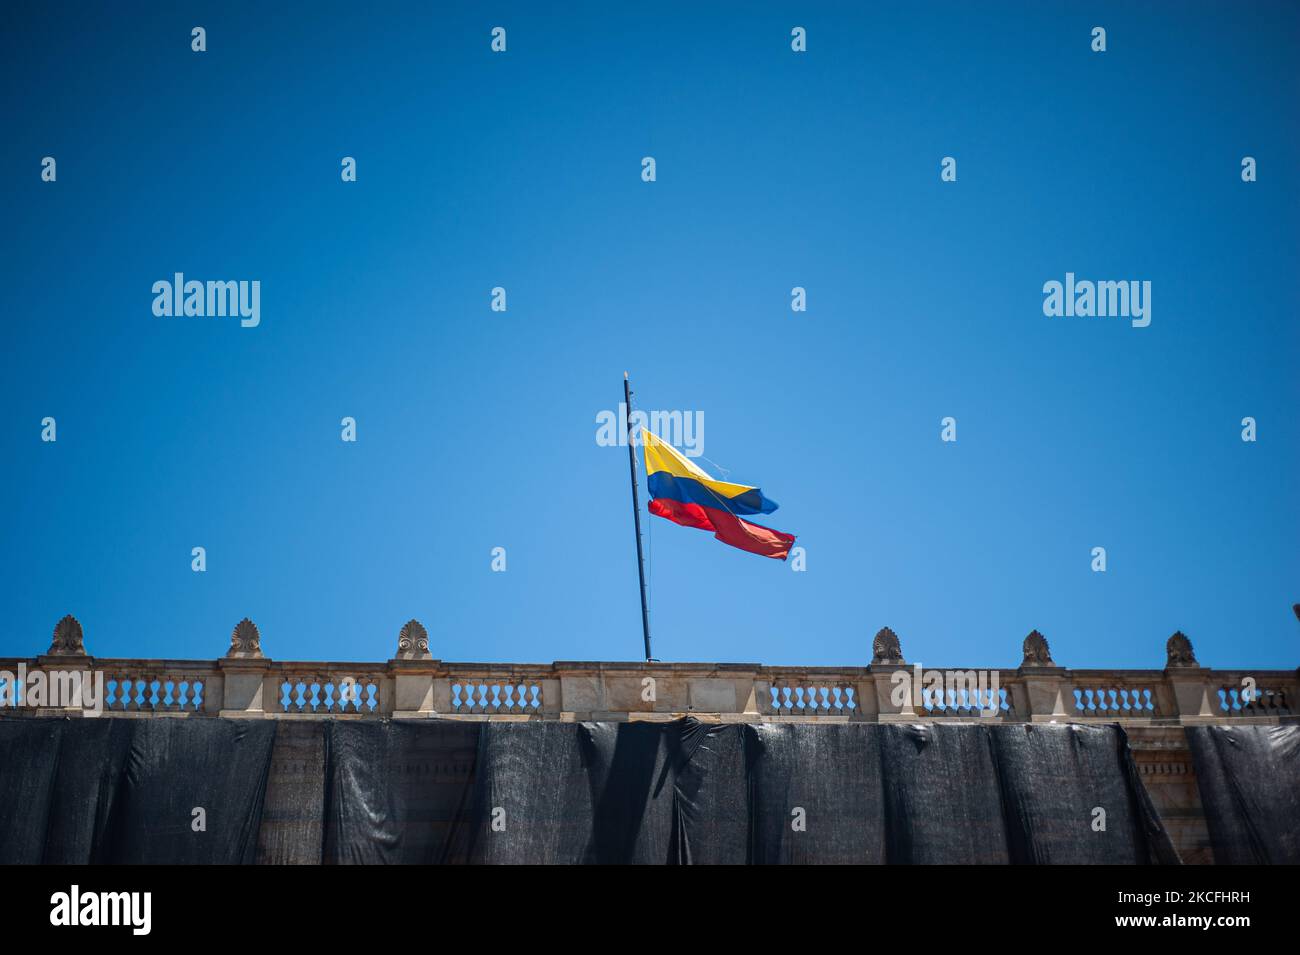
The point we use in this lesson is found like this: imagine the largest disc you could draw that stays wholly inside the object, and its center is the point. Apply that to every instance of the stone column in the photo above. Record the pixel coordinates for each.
(886, 661)
(1189, 682)
(244, 670)
(1045, 684)
(413, 672)
(67, 653)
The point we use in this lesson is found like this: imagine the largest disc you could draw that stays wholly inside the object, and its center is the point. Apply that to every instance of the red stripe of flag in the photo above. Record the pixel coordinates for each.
(726, 527)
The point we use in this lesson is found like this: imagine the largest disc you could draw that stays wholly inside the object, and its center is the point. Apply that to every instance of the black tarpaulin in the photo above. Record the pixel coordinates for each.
(176, 766)
(92, 759)
(1054, 778)
(394, 790)
(711, 795)
(531, 802)
(948, 793)
(816, 794)
(126, 790)
(631, 775)
(671, 793)
(642, 792)
(58, 784)
(1249, 778)
(29, 756)
(942, 800)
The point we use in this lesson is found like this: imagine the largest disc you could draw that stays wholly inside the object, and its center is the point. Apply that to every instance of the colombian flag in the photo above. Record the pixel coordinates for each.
(685, 495)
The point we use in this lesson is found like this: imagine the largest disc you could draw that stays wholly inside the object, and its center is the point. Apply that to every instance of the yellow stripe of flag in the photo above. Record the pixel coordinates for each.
(662, 456)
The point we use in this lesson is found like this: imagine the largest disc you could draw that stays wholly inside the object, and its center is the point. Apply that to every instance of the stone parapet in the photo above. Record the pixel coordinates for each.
(245, 683)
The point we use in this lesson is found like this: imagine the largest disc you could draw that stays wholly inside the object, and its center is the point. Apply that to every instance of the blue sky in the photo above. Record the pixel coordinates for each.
(476, 429)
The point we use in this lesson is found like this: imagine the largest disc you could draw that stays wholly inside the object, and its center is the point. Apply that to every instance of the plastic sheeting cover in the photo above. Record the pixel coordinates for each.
(58, 783)
(804, 814)
(1249, 777)
(394, 790)
(1056, 778)
(126, 791)
(609, 793)
(118, 790)
(688, 792)
(941, 795)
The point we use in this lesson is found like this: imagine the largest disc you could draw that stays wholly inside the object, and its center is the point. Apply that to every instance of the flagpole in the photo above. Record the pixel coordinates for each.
(636, 514)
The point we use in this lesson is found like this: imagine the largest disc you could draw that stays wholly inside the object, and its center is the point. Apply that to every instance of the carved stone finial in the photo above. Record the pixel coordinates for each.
(68, 641)
(245, 641)
(1179, 650)
(1037, 652)
(413, 642)
(886, 649)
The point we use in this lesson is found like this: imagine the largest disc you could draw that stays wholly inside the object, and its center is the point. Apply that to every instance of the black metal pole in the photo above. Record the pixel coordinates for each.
(636, 514)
